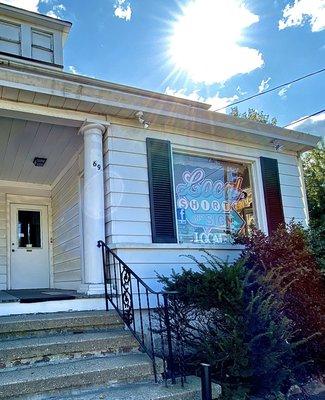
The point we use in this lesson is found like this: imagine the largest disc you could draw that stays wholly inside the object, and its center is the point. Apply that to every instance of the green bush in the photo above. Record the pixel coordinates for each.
(285, 260)
(316, 236)
(235, 321)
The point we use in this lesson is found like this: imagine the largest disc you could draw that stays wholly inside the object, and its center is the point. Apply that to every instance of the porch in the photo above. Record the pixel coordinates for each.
(34, 301)
(51, 209)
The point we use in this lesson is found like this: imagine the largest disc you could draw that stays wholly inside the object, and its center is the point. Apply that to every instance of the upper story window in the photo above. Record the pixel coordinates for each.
(10, 41)
(42, 46)
(214, 199)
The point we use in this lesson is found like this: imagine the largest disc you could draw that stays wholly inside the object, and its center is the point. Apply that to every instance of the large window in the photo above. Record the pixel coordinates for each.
(214, 199)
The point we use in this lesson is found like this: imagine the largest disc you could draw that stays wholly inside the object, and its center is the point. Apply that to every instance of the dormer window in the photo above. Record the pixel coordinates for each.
(42, 46)
(31, 38)
(10, 41)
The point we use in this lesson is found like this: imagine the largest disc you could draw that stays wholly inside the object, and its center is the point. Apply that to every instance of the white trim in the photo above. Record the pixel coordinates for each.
(303, 189)
(87, 304)
(23, 199)
(259, 198)
(223, 156)
(81, 230)
(32, 112)
(25, 185)
(176, 246)
(29, 200)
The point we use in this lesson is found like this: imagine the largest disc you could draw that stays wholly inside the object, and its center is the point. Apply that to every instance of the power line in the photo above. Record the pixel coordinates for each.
(272, 89)
(304, 118)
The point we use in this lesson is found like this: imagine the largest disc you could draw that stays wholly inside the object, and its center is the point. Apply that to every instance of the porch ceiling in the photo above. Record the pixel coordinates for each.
(21, 141)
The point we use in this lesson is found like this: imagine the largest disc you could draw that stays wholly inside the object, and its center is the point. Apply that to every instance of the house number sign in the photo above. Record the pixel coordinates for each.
(97, 165)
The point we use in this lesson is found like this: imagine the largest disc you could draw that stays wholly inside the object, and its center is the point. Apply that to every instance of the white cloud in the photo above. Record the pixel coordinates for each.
(122, 9)
(33, 5)
(206, 41)
(30, 5)
(240, 91)
(73, 69)
(264, 85)
(56, 11)
(313, 125)
(216, 101)
(304, 11)
(283, 92)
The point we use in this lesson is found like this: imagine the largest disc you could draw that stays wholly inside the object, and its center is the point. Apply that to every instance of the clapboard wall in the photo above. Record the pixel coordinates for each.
(66, 230)
(3, 242)
(128, 226)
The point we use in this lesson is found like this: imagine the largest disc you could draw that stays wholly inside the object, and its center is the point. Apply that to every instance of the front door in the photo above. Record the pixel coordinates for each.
(30, 267)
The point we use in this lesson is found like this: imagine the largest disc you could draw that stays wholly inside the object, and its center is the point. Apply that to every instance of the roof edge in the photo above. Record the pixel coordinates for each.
(31, 16)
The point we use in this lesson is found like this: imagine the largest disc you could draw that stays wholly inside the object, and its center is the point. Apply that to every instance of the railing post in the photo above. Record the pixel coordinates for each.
(169, 339)
(104, 258)
(206, 382)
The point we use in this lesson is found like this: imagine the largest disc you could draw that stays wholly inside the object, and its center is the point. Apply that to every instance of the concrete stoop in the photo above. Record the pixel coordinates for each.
(77, 355)
(135, 391)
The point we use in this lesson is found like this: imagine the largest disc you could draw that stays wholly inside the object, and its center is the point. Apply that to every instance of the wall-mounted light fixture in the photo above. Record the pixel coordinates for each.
(277, 145)
(141, 119)
(39, 161)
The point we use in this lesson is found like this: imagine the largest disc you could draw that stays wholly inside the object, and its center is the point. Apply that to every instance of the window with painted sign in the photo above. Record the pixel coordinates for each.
(214, 199)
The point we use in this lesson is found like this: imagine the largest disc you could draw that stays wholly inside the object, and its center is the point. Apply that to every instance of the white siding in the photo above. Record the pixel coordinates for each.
(128, 226)
(66, 230)
(148, 261)
(3, 242)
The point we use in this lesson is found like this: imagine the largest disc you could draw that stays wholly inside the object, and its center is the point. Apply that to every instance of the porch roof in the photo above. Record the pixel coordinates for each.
(69, 99)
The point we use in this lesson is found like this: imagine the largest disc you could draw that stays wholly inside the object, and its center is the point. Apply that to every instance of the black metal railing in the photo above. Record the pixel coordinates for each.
(146, 313)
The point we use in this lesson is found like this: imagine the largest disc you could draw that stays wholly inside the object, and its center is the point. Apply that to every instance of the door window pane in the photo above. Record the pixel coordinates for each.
(29, 228)
(214, 199)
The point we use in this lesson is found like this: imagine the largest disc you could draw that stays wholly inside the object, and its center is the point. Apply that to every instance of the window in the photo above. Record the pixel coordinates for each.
(29, 228)
(42, 46)
(214, 199)
(10, 38)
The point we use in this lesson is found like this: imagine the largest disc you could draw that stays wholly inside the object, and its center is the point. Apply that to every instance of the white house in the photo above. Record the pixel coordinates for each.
(154, 176)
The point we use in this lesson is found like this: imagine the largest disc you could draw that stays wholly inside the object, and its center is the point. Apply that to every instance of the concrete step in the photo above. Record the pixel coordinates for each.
(61, 322)
(135, 391)
(26, 351)
(73, 374)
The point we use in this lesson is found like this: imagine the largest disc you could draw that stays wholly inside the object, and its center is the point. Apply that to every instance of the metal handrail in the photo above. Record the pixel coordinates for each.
(152, 309)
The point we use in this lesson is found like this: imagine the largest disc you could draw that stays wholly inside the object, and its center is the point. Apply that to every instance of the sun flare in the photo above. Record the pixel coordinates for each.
(206, 40)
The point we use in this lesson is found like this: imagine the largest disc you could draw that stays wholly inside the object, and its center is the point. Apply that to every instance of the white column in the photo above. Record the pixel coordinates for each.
(93, 207)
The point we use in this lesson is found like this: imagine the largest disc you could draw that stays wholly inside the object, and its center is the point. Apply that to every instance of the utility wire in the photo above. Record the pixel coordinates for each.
(304, 118)
(272, 89)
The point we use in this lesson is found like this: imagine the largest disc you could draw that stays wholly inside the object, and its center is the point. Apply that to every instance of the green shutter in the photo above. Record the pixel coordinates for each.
(161, 191)
(272, 193)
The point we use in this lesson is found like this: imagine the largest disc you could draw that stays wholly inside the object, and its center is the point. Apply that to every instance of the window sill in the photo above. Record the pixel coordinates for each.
(175, 246)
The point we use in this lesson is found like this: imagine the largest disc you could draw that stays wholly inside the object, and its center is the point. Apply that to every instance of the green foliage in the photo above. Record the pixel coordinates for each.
(285, 260)
(233, 320)
(253, 115)
(314, 171)
(316, 236)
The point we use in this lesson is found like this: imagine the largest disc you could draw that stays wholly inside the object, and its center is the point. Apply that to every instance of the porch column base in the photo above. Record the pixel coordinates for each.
(92, 288)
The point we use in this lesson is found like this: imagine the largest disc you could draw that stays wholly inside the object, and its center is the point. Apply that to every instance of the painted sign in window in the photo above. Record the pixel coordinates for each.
(213, 199)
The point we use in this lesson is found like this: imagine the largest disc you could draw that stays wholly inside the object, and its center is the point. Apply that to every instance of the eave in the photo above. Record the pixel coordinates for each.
(64, 91)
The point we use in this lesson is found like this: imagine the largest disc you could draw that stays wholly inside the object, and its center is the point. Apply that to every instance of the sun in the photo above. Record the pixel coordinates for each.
(206, 40)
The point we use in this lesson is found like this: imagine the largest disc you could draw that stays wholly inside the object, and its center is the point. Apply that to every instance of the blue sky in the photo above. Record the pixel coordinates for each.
(217, 51)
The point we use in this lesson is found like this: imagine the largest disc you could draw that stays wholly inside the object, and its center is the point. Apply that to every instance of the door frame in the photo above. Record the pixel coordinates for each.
(29, 200)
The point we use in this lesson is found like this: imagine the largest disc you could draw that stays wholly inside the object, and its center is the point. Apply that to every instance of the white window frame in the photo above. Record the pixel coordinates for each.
(254, 174)
(33, 46)
(18, 42)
